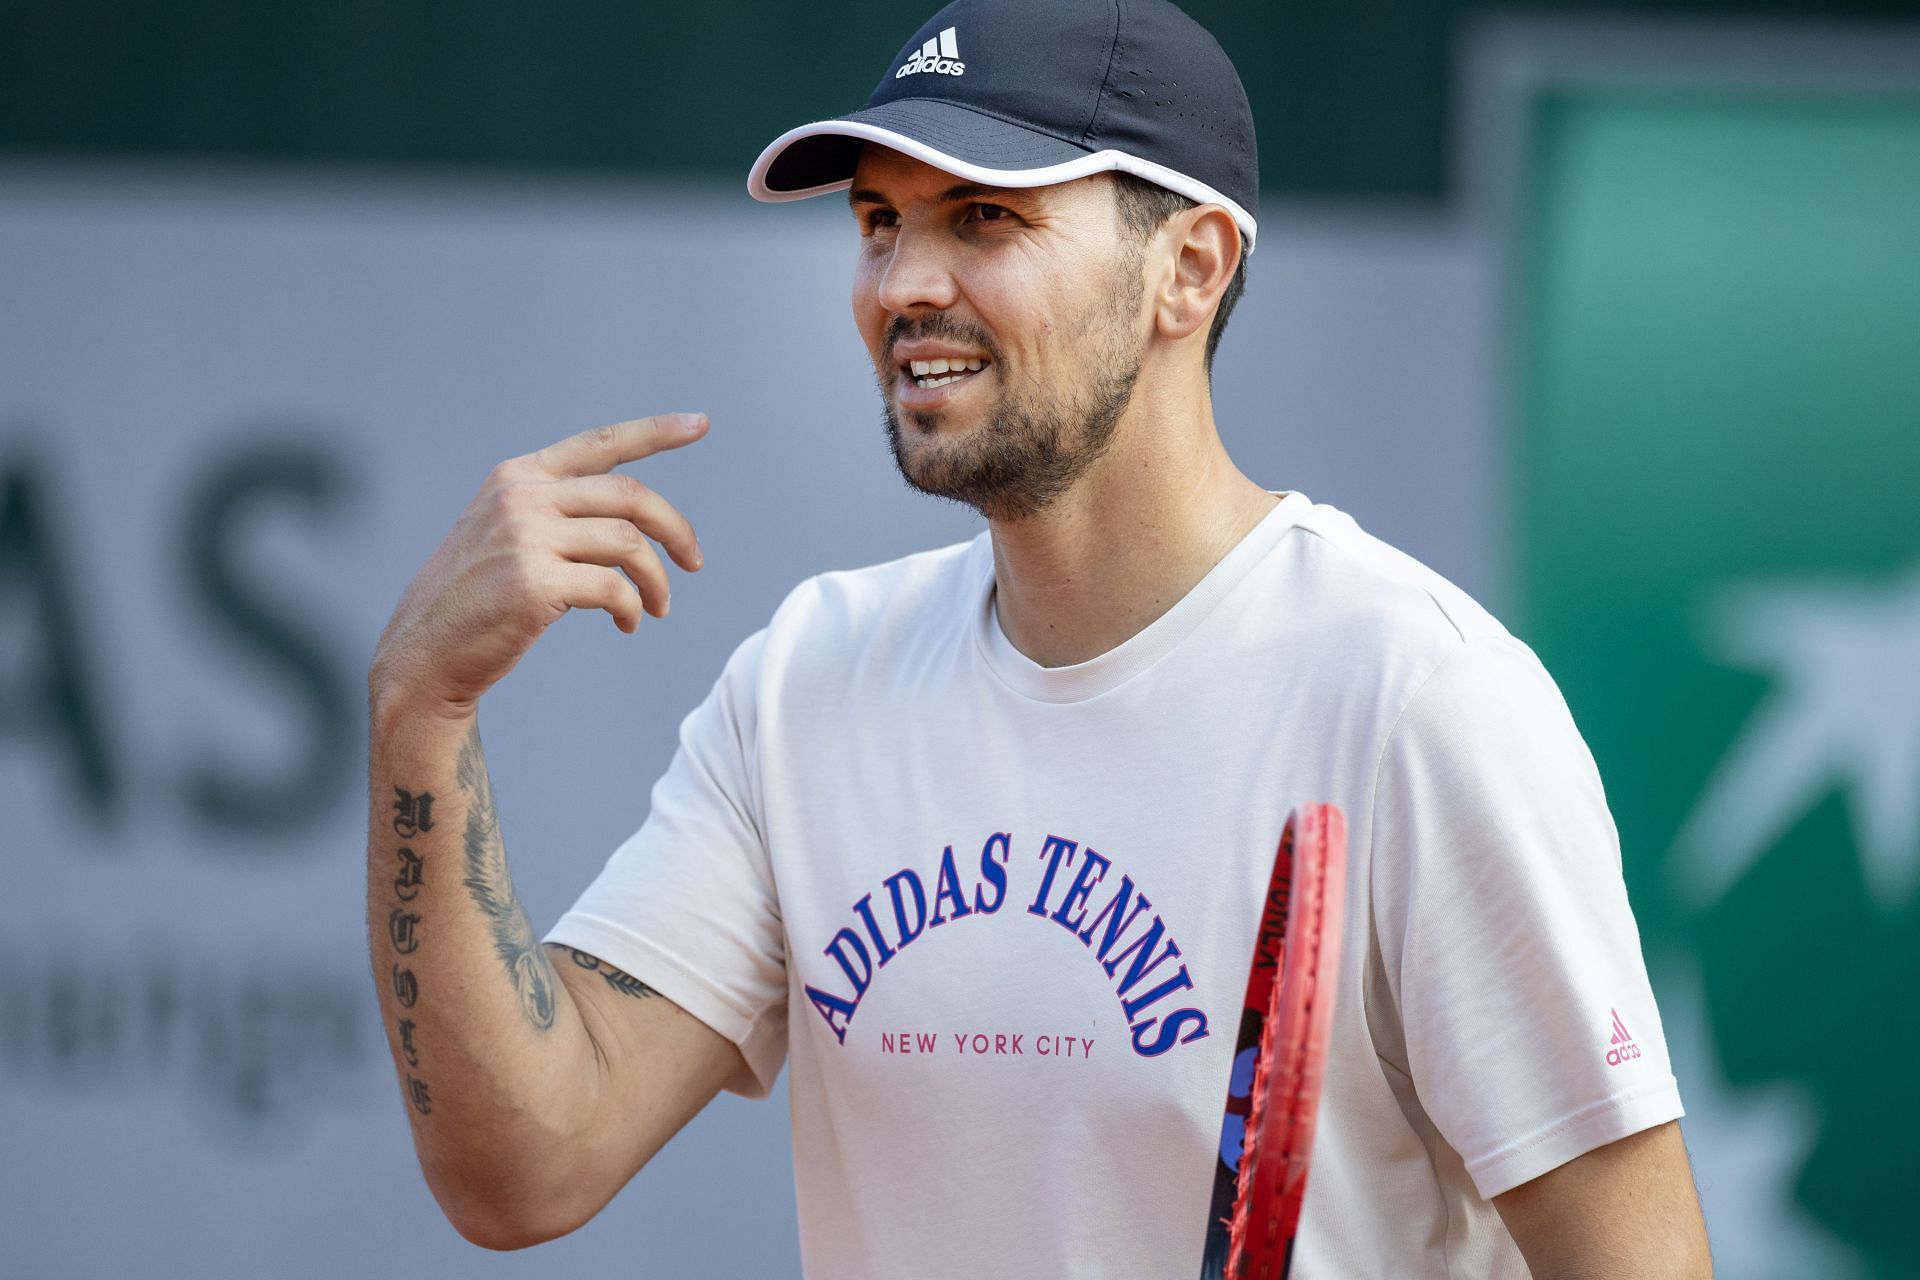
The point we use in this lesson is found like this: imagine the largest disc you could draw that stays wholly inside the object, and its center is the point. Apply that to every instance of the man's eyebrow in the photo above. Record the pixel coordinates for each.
(970, 191)
(963, 191)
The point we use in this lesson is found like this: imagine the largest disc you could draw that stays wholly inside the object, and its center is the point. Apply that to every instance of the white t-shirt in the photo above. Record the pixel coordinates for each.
(999, 916)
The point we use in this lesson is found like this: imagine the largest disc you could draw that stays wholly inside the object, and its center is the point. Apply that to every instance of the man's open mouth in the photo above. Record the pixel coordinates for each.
(940, 372)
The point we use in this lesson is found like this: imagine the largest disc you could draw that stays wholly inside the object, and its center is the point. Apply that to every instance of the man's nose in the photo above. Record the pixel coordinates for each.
(919, 274)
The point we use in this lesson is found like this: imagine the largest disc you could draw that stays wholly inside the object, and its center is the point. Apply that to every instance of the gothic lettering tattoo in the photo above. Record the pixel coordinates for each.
(491, 888)
(408, 882)
(403, 928)
(406, 1042)
(411, 814)
(625, 983)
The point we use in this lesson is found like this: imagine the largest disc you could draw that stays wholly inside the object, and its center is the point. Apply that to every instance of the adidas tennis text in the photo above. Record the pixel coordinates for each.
(940, 55)
(1624, 1049)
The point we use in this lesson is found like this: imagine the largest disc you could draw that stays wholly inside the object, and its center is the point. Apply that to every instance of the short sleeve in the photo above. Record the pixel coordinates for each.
(687, 903)
(1505, 938)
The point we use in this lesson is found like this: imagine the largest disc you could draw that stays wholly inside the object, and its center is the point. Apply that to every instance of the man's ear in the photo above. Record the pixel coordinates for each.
(1205, 243)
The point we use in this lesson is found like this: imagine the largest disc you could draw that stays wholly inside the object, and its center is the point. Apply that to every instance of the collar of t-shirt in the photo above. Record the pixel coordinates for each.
(1089, 679)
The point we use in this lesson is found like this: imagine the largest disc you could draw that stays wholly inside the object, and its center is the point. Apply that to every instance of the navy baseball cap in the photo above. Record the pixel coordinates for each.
(1025, 93)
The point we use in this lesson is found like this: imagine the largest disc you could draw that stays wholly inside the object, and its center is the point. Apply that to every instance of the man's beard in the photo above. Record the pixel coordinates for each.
(1033, 447)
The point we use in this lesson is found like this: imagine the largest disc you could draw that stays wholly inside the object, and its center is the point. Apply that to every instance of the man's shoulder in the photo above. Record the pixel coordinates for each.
(850, 607)
(1382, 593)
(1383, 612)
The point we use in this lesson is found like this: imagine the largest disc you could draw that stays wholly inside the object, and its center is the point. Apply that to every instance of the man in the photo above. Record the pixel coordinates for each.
(978, 838)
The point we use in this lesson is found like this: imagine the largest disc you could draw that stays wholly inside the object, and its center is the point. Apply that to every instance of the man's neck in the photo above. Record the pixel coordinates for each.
(1134, 535)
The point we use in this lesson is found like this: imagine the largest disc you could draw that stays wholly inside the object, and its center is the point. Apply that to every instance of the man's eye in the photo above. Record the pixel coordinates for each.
(991, 213)
(874, 219)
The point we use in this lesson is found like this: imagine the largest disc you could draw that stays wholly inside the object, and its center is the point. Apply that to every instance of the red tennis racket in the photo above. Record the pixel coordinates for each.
(1266, 1137)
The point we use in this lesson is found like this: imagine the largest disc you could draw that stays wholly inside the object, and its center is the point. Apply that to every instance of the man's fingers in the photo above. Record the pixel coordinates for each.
(599, 449)
(597, 549)
(589, 586)
(624, 497)
(617, 544)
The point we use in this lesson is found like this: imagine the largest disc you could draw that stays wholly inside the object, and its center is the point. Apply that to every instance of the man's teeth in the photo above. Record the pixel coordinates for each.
(929, 373)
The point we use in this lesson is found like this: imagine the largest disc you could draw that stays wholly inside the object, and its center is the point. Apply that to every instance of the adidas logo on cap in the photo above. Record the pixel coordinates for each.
(940, 55)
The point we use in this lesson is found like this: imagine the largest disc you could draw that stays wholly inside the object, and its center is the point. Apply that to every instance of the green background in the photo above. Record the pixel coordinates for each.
(1718, 383)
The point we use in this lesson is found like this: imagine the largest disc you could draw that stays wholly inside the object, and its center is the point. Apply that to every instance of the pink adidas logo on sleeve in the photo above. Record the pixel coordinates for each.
(1624, 1049)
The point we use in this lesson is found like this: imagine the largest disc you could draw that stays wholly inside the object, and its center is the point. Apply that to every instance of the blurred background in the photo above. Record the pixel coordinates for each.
(1612, 318)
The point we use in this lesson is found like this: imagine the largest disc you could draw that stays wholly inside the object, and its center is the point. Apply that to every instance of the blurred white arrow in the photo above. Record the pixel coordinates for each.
(1843, 712)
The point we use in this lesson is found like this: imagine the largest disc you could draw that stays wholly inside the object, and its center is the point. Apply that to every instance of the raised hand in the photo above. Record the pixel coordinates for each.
(550, 531)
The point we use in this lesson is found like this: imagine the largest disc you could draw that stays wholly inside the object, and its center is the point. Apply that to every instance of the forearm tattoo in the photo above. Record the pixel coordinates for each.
(625, 983)
(413, 815)
(491, 888)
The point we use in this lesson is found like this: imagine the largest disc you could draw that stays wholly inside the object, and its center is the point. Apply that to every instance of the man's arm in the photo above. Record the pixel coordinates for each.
(533, 1094)
(1627, 1209)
